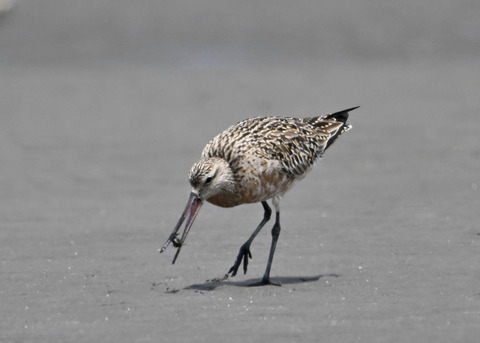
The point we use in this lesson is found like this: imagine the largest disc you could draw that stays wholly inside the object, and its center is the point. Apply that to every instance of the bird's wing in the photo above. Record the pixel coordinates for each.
(295, 143)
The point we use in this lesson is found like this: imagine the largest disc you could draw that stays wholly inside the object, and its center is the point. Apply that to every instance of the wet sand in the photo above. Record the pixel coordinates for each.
(380, 243)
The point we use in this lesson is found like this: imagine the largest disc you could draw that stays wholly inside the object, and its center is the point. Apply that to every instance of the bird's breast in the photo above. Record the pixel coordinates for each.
(256, 180)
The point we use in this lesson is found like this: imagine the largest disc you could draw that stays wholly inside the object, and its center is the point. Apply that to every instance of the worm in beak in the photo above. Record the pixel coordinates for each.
(191, 210)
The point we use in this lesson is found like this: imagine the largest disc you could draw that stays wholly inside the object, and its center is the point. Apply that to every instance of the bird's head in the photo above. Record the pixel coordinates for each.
(210, 177)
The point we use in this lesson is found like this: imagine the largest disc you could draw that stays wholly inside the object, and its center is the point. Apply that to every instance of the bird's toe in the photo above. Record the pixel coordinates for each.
(244, 254)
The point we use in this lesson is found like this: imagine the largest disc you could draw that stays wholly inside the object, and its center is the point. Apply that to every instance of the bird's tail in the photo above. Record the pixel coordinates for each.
(341, 116)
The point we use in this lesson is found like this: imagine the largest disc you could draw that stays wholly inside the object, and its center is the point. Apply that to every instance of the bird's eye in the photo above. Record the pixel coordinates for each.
(208, 180)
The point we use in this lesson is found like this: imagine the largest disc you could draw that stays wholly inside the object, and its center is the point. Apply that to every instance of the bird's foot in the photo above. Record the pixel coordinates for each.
(268, 281)
(265, 282)
(244, 254)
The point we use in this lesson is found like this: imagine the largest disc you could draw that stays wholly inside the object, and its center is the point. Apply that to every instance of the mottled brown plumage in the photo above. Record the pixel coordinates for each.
(256, 160)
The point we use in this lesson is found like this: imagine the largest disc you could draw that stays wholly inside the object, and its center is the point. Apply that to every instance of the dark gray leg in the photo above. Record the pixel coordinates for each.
(275, 234)
(244, 253)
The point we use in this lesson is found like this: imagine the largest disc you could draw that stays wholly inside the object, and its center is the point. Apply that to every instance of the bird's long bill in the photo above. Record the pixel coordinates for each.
(191, 210)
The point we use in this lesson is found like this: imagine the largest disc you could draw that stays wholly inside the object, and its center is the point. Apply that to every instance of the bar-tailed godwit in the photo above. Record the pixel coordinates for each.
(256, 160)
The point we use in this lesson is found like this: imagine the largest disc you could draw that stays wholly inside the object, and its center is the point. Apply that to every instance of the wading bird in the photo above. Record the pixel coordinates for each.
(256, 160)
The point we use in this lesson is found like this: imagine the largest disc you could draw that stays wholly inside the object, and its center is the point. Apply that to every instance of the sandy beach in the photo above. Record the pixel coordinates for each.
(105, 108)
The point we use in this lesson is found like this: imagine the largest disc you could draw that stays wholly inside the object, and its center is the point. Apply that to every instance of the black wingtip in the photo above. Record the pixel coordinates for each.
(341, 115)
(351, 109)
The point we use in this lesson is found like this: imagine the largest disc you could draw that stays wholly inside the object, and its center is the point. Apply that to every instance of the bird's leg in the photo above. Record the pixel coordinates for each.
(244, 252)
(275, 233)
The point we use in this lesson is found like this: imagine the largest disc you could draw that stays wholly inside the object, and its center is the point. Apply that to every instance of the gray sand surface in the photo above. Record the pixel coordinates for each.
(104, 109)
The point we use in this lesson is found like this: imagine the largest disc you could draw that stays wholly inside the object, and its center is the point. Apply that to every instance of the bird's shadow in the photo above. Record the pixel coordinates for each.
(213, 284)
